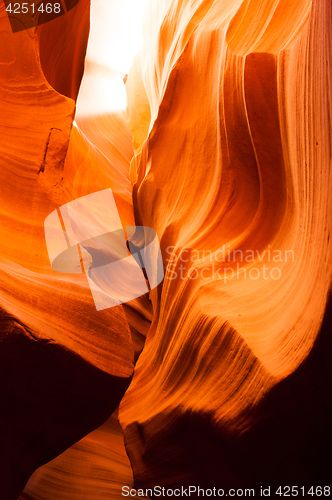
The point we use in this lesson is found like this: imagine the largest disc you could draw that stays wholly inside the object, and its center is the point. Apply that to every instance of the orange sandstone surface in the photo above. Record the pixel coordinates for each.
(64, 366)
(227, 155)
(235, 162)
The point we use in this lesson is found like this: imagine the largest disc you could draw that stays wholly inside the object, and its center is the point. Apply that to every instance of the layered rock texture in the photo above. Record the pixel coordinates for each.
(229, 160)
(64, 366)
(234, 172)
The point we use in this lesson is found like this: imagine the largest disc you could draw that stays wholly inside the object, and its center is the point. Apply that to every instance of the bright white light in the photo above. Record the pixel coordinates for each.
(115, 38)
(116, 32)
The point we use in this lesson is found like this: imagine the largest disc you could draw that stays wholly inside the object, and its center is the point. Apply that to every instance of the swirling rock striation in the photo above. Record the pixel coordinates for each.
(64, 367)
(229, 105)
(234, 173)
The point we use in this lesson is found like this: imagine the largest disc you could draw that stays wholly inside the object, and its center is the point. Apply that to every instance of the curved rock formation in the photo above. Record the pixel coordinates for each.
(229, 106)
(62, 47)
(234, 173)
(95, 467)
(64, 366)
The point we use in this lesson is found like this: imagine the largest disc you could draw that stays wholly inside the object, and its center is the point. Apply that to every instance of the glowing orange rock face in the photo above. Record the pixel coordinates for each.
(62, 48)
(35, 131)
(235, 176)
(229, 106)
(95, 467)
(59, 381)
